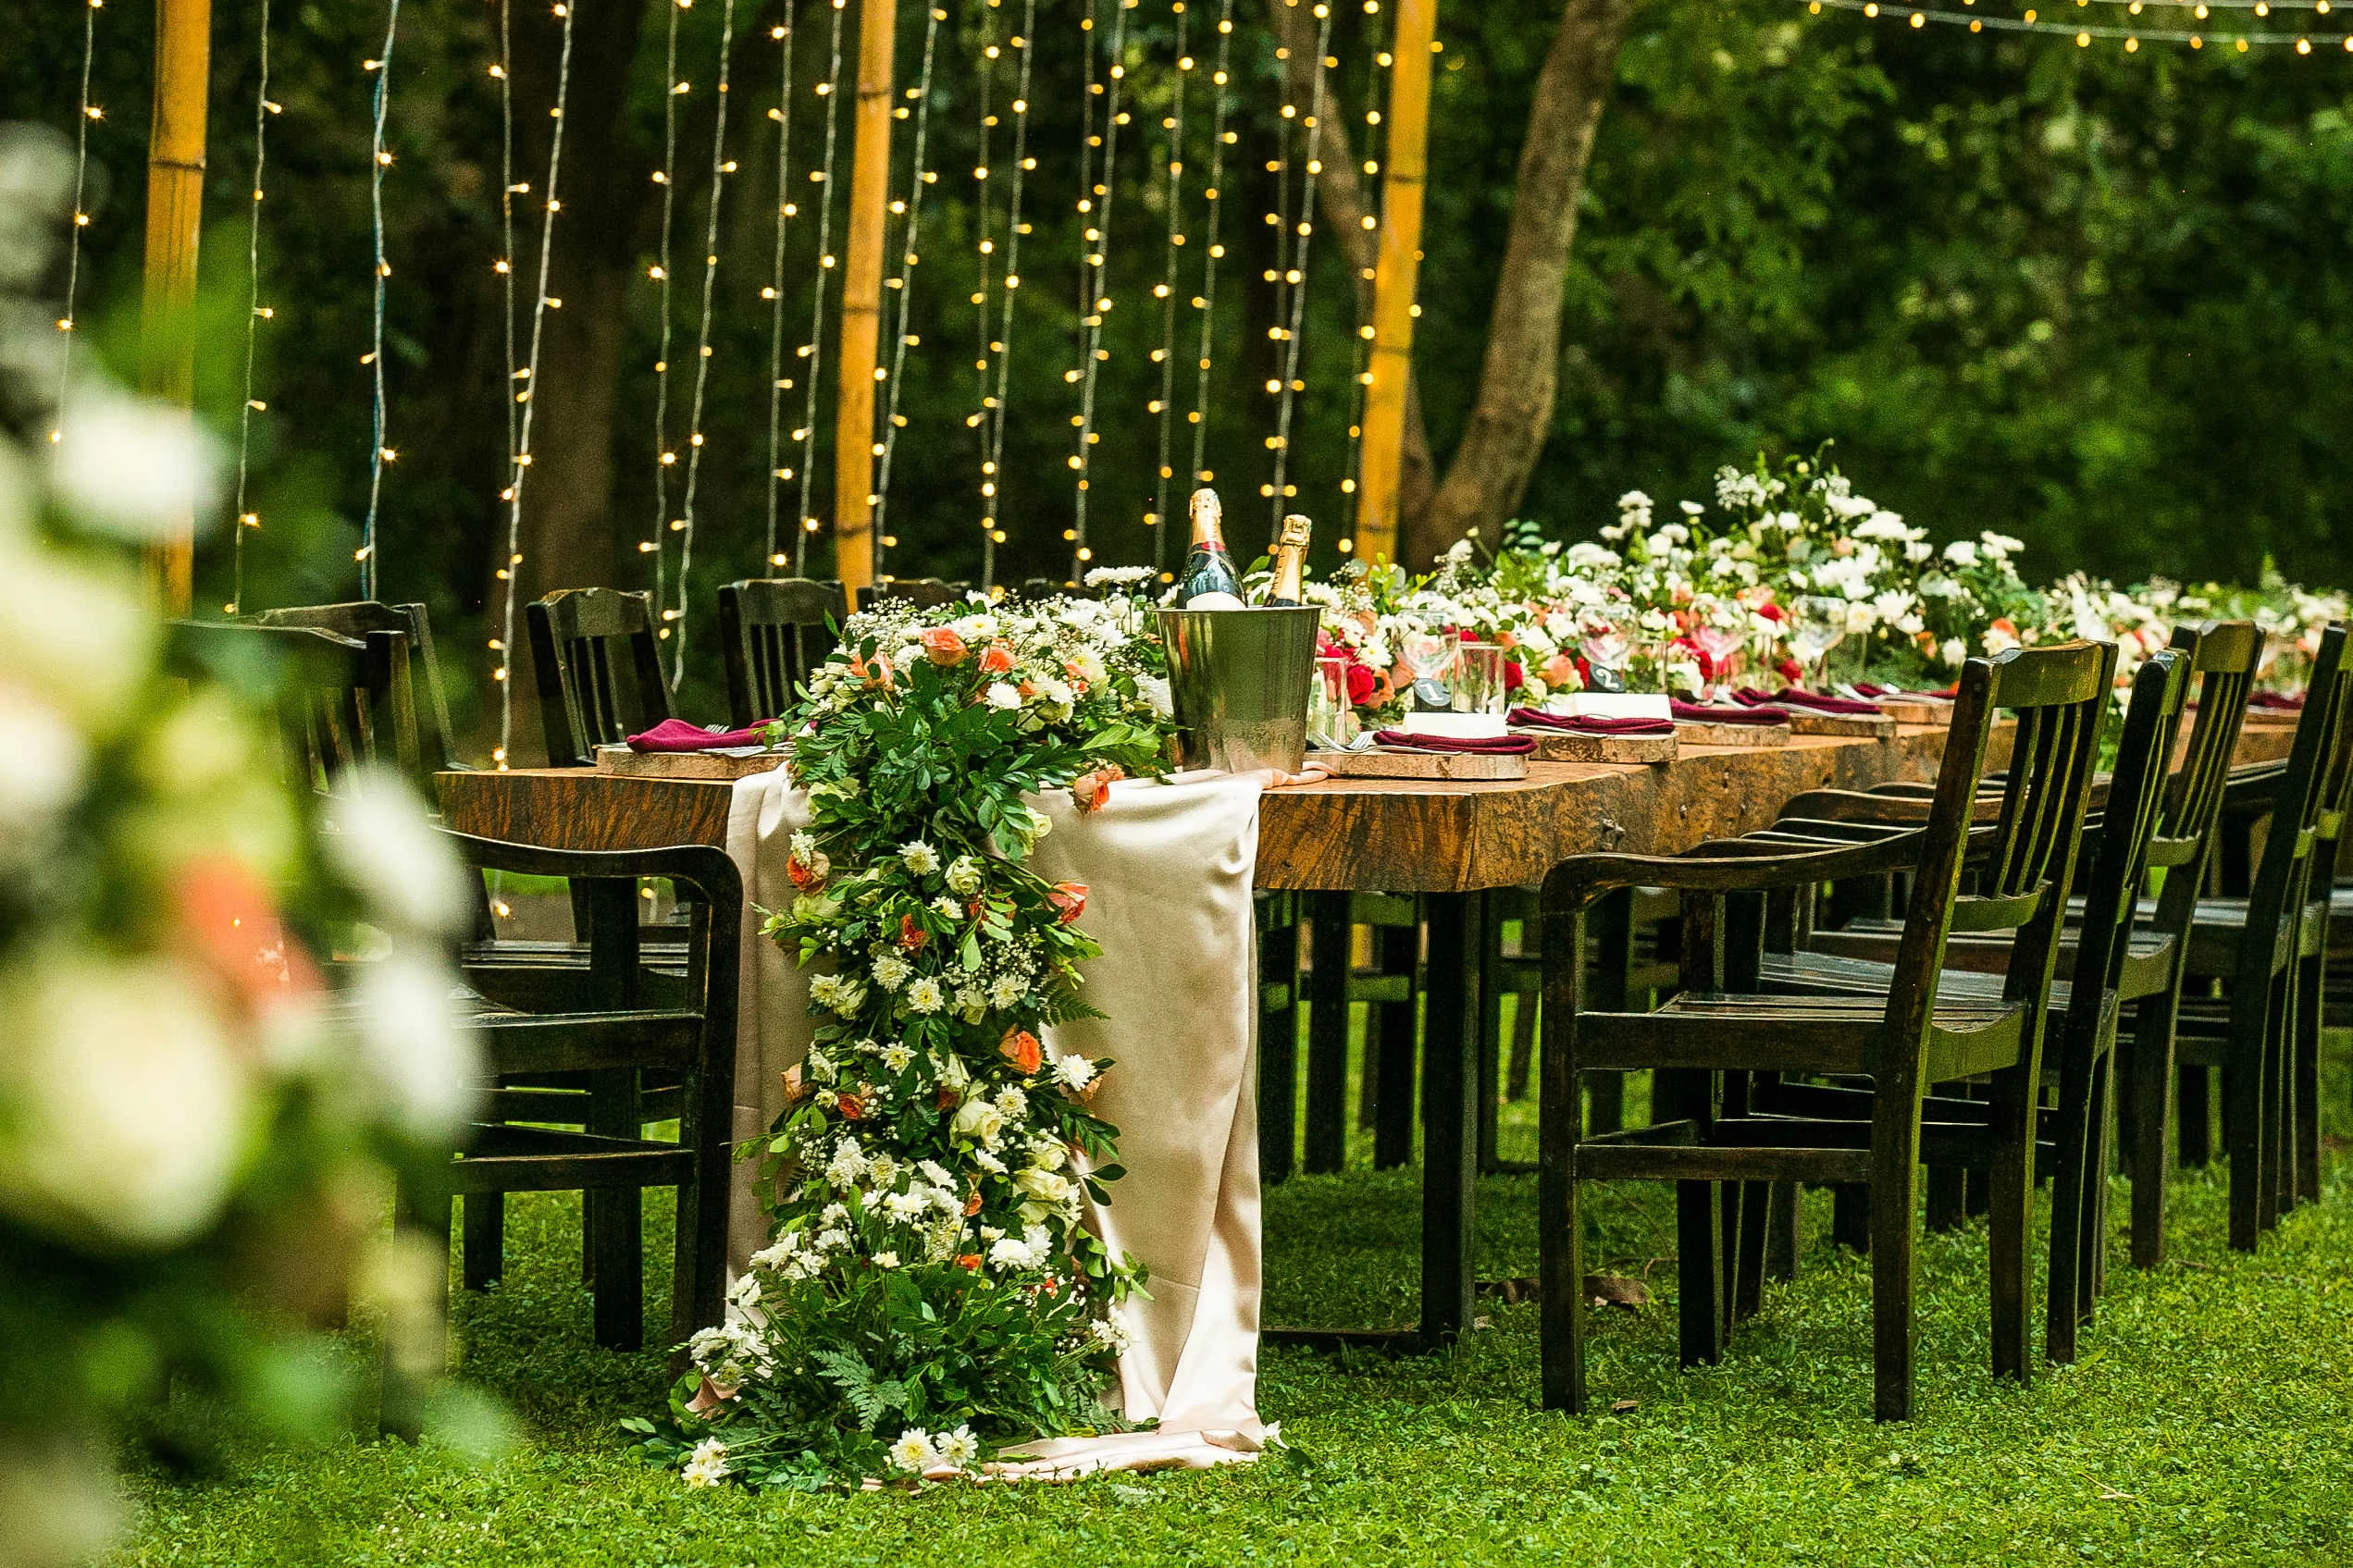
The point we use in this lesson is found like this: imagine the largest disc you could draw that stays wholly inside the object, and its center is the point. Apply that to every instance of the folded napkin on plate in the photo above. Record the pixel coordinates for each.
(677, 735)
(1697, 713)
(1536, 718)
(2279, 700)
(1491, 746)
(1812, 701)
(1875, 691)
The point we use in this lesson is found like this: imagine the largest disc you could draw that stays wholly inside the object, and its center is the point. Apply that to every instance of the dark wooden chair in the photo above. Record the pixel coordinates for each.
(597, 665)
(2269, 950)
(590, 1138)
(1722, 1023)
(924, 593)
(773, 631)
(341, 702)
(362, 618)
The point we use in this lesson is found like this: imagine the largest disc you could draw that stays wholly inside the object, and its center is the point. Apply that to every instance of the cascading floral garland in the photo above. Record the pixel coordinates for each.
(930, 1293)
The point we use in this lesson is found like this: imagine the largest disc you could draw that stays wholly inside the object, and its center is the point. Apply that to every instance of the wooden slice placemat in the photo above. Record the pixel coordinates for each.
(1459, 766)
(1698, 732)
(734, 763)
(1565, 745)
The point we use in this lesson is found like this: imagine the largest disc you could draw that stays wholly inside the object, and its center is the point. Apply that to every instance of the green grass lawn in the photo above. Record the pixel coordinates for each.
(2210, 1418)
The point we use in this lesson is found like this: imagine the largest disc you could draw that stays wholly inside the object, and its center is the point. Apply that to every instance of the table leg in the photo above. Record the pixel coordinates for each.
(1449, 1119)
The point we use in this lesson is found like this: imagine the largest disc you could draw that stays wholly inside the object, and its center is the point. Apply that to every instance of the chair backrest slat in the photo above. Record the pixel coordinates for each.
(2137, 792)
(598, 671)
(356, 620)
(2308, 794)
(772, 632)
(341, 702)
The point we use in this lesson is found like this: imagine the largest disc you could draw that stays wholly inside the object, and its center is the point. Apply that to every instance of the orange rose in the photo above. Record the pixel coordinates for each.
(1090, 790)
(973, 1203)
(796, 1087)
(944, 648)
(1078, 676)
(1021, 1048)
(804, 876)
(968, 1260)
(996, 659)
(852, 1108)
(1069, 897)
(911, 935)
(946, 1098)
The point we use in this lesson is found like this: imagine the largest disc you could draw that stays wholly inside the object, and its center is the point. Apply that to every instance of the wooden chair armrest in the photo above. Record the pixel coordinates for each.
(1727, 867)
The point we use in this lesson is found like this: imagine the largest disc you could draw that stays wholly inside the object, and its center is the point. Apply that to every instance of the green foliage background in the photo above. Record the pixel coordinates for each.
(2088, 298)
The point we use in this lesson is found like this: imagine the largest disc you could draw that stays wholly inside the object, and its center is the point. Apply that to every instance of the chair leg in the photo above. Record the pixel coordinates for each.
(1699, 1273)
(1278, 1057)
(484, 1243)
(619, 1291)
(2072, 1171)
(1895, 1154)
(1523, 1053)
(2193, 1108)
(1781, 1233)
(1327, 1148)
(2150, 1065)
(411, 1364)
(1947, 1202)
(1560, 1232)
(1746, 1247)
(2242, 1145)
(2010, 1201)
(2279, 1024)
(2304, 1086)
(1851, 1207)
(1389, 1031)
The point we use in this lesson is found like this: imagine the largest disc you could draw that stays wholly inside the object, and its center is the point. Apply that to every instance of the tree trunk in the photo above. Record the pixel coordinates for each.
(1521, 373)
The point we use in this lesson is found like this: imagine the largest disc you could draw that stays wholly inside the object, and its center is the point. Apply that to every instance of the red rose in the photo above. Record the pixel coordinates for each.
(804, 876)
(911, 935)
(1513, 676)
(1021, 1047)
(943, 647)
(1069, 897)
(1361, 682)
(1770, 610)
(1790, 671)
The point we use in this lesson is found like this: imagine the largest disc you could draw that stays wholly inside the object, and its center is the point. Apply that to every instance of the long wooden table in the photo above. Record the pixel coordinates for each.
(1447, 842)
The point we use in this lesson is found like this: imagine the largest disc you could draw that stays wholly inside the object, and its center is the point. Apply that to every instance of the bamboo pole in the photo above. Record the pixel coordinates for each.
(861, 300)
(1394, 278)
(174, 215)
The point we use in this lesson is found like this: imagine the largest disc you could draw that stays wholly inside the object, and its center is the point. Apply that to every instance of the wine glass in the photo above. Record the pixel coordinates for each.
(1721, 647)
(1817, 624)
(1428, 651)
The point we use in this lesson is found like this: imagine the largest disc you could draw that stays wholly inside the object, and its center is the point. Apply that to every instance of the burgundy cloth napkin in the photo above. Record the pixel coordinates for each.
(1531, 717)
(1493, 745)
(1814, 701)
(1696, 713)
(677, 735)
(2281, 701)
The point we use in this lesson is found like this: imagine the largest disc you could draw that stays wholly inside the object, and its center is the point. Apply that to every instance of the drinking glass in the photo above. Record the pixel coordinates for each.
(1476, 683)
(1330, 716)
(1429, 652)
(1721, 647)
(1817, 624)
(1607, 652)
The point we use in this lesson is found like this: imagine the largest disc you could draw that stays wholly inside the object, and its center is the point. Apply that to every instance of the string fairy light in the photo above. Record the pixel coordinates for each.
(512, 398)
(1917, 17)
(813, 351)
(1163, 407)
(380, 158)
(1360, 341)
(86, 114)
(1000, 347)
(1295, 276)
(244, 518)
(675, 616)
(1094, 206)
(893, 421)
(985, 257)
(1206, 303)
(778, 382)
(524, 403)
(665, 458)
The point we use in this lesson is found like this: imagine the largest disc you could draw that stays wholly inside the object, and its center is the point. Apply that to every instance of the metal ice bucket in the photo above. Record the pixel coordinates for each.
(1239, 680)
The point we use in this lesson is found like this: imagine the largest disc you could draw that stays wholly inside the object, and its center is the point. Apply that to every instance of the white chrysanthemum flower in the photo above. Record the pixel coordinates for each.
(914, 1451)
(960, 1447)
(896, 1055)
(891, 971)
(1000, 695)
(1962, 552)
(1117, 577)
(1007, 990)
(1013, 1104)
(886, 1260)
(803, 847)
(925, 996)
(947, 908)
(908, 1205)
(920, 857)
(1075, 1070)
(1012, 1252)
(707, 1466)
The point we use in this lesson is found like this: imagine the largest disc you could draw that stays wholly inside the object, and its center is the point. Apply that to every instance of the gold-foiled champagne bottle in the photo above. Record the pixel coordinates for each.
(1290, 563)
(1209, 581)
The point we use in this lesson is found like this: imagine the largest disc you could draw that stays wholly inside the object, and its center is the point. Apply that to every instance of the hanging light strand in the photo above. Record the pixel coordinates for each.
(904, 283)
(665, 459)
(2132, 37)
(85, 114)
(1212, 194)
(684, 523)
(813, 351)
(525, 402)
(1296, 277)
(380, 159)
(993, 470)
(779, 383)
(1164, 406)
(1095, 300)
(1360, 344)
(243, 517)
(985, 251)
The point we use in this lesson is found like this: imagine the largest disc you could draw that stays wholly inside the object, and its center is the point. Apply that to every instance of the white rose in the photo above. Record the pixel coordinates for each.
(127, 1112)
(978, 1120)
